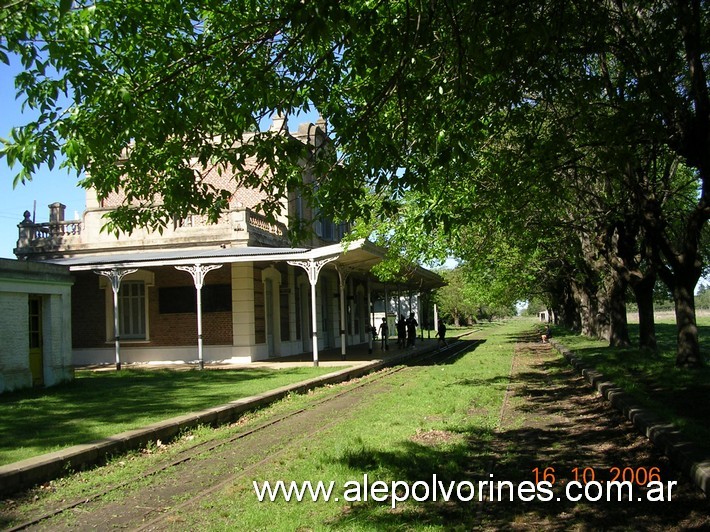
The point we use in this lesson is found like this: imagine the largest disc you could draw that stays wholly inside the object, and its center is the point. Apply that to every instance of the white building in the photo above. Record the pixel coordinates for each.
(35, 325)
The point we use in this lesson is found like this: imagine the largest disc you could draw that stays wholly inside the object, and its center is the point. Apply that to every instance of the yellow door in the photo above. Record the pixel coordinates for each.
(35, 334)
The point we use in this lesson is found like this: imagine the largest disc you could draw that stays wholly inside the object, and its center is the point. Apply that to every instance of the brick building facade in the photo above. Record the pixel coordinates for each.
(258, 295)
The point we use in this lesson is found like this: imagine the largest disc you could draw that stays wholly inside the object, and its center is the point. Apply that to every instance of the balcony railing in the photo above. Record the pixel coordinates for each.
(55, 229)
(259, 221)
(55, 237)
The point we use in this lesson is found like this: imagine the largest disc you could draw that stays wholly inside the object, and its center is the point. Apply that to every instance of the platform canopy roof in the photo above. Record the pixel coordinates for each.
(359, 256)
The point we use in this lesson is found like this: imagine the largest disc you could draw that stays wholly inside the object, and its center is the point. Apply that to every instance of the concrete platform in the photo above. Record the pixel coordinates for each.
(331, 357)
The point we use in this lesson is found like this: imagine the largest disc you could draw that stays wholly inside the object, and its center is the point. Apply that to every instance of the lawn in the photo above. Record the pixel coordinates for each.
(433, 420)
(99, 404)
(677, 394)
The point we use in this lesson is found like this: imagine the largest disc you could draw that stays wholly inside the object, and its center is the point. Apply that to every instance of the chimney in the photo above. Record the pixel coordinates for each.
(56, 212)
(279, 123)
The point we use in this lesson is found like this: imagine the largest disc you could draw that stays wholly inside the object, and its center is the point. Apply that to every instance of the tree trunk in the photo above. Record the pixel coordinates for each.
(643, 292)
(566, 312)
(586, 309)
(688, 354)
(618, 324)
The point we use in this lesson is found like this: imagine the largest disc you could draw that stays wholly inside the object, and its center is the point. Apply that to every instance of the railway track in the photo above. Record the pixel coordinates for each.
(200, 451)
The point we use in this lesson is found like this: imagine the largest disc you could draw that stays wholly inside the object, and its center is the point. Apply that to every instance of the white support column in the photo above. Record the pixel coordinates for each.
(353, 295)
(198, 272)
(370, 317)
(343, 273)
(387, 301)
(399, 301)
(436, 319)
(115, 275)
(313, 268)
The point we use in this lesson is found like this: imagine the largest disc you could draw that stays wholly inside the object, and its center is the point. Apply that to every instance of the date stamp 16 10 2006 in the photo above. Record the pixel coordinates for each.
(611, 483)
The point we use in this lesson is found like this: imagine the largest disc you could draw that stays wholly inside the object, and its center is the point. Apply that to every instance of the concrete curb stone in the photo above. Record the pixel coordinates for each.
(686, 455)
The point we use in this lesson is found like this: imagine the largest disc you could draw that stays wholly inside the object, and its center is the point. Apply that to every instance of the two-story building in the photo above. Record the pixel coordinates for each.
(232, 291)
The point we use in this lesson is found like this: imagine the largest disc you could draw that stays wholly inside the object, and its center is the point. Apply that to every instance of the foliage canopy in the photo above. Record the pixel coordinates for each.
(566, 140)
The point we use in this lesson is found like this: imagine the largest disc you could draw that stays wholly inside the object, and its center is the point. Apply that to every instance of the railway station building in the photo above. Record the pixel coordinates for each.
(234, 291)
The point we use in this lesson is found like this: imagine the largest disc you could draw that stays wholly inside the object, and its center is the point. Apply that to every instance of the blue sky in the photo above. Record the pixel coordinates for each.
(46, 187)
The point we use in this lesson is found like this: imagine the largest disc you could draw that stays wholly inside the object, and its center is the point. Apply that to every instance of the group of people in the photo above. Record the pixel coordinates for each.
(406, 332)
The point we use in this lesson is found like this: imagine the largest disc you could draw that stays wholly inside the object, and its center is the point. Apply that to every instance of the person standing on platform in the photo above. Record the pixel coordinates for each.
(441, 332)
(384, 334)
(401, 332)
(411, 330)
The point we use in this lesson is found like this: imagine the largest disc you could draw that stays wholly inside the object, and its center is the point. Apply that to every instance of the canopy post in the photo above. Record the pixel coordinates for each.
(115, 275)
(198, 272)
(313, 268)
(370, 317)
(343, 273)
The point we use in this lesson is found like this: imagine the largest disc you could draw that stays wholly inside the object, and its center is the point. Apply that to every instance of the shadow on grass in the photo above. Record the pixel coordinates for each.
(678, 394)
(414, 462)
(559, 427)
(99, 404)
(460, 348)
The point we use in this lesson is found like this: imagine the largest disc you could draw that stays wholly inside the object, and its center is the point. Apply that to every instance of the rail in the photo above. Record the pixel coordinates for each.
(358, 384)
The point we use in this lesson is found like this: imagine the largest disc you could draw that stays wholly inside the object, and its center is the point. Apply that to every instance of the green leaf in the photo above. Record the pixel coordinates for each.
(65, 6)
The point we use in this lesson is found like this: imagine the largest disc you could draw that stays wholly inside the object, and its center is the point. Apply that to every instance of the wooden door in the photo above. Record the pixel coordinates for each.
(35, 339)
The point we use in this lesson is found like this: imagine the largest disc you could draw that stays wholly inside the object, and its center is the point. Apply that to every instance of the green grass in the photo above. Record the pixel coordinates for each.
(100, 404)
(679, 395)
(385, 438)
(382, 438)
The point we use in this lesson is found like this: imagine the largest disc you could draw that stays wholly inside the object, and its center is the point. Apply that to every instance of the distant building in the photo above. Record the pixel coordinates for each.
(137, 295)
(35, 324)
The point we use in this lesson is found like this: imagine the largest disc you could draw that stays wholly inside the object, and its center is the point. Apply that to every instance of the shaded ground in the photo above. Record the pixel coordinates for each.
(38, 421)
(652, 378)
(552, 419)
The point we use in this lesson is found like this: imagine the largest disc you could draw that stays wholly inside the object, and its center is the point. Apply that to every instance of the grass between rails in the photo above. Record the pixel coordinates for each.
(100, 404)
(679, 395)
(78, 485)
(431, 420)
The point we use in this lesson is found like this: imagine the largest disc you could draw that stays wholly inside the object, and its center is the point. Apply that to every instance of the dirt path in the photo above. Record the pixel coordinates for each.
(552, 419)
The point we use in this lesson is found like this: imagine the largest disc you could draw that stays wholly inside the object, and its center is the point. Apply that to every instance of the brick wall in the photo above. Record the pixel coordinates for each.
(248, 197)
(181, 328)
(88, 307)
(89, 312)
(259, 308)
(284, 302)
(14, 344)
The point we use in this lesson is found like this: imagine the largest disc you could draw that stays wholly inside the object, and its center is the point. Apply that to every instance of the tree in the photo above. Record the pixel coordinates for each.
(423, 99)
(453, 300)
(702, 299)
